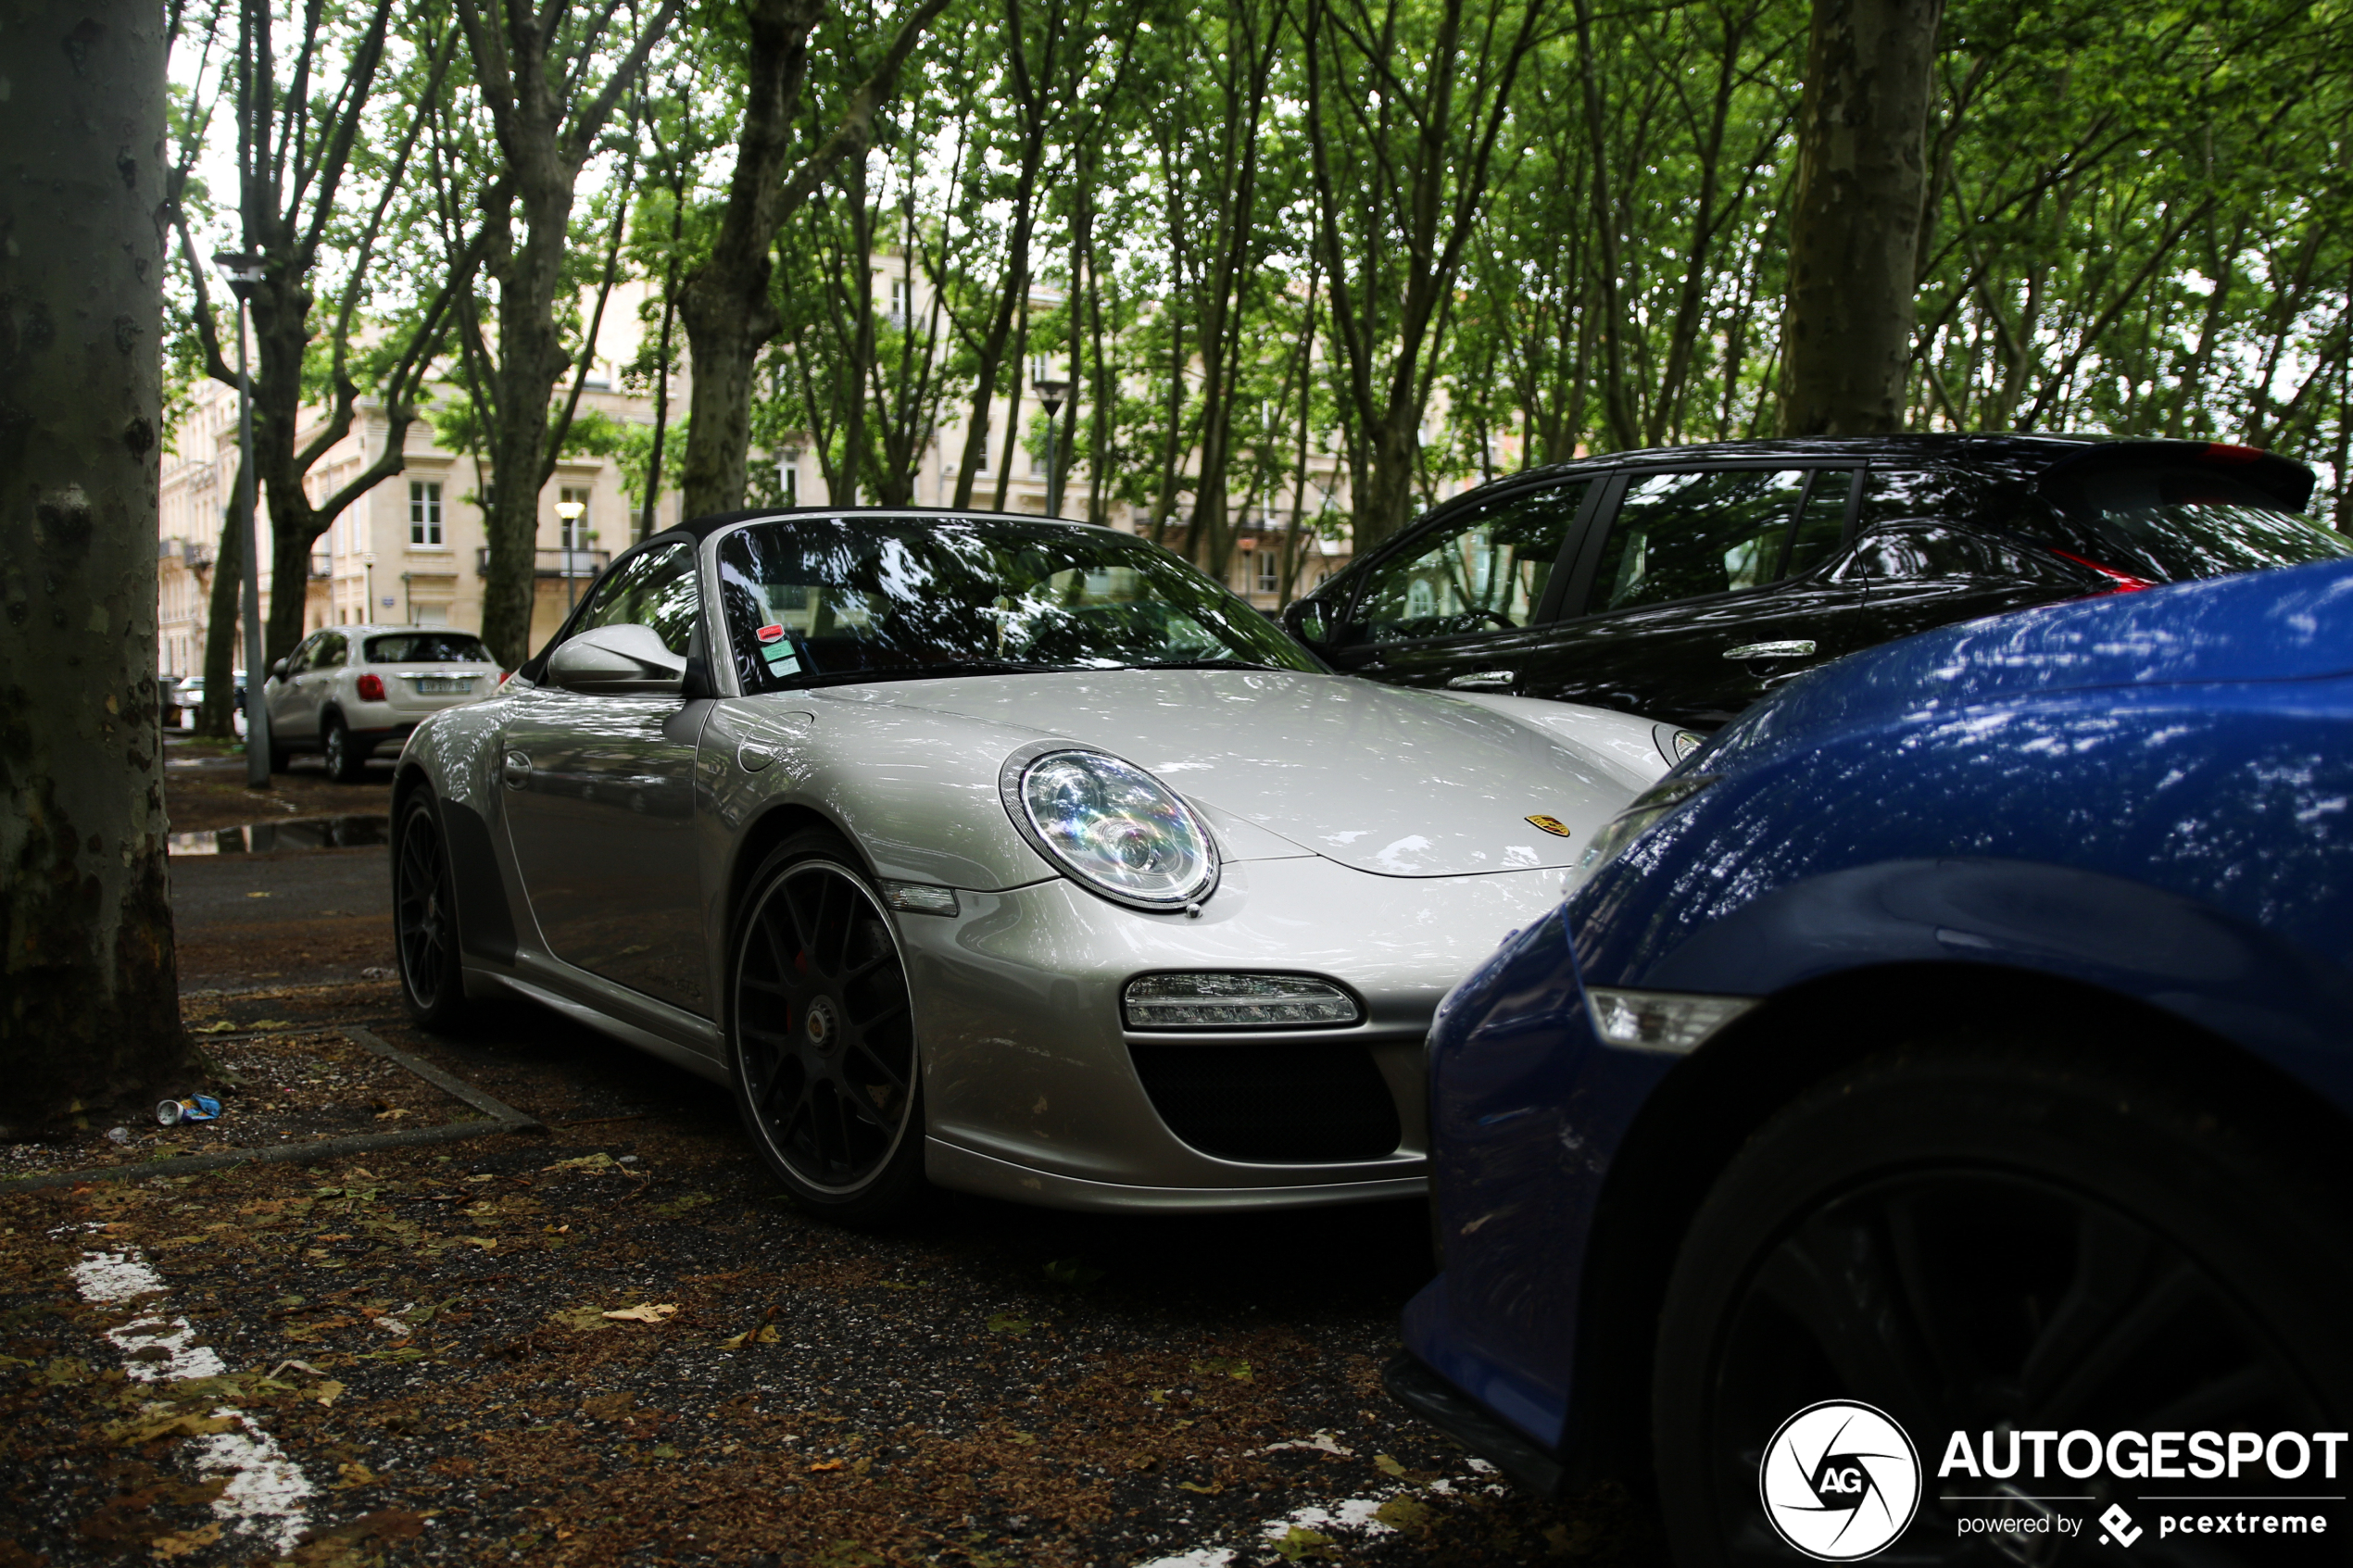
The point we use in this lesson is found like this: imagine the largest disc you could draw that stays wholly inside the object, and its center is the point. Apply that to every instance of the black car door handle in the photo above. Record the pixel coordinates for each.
(1795, 649)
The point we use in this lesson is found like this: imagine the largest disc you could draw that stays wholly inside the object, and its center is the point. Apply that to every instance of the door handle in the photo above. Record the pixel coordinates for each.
(517, 770)
(1483, 681)
(1795, 649)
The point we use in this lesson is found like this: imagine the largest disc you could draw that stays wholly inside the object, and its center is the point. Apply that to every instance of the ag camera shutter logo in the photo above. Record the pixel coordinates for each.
(1840, 1480)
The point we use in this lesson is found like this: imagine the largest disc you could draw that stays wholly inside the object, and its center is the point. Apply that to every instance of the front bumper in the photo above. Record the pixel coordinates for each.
(1031, 1081)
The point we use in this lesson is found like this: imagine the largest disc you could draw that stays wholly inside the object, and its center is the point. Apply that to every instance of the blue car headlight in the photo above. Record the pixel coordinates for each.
(1110, 826)
(1660, 801)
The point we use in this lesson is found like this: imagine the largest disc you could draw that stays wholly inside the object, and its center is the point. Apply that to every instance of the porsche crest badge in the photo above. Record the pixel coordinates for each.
(1552, 826)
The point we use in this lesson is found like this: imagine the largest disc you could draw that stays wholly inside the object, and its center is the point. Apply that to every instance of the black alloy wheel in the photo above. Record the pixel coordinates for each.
(424, 918)
(346, 759)
(825, 1067)
(1980, 1242)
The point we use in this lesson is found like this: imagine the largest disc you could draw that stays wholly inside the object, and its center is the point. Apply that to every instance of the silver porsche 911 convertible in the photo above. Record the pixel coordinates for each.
(1013, 855)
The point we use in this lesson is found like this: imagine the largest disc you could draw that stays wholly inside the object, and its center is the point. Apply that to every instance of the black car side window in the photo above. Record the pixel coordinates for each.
(329, 653)
(1685, 536)
(657, 589)
(1931, 552)
(1487, 571)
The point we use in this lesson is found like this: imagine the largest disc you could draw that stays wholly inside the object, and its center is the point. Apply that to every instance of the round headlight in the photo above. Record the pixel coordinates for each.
(1110, 826)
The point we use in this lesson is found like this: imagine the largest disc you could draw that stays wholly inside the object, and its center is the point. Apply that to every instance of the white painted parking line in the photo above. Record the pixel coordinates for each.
(267, 1494)
(1357, 1516)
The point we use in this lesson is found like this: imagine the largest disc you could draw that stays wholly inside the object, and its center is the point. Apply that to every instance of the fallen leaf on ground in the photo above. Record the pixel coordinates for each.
(184, 1542)
(1297, 1544)
(580, 1319)
(1402, 1513)
(1209, 1491)
(829, 1464)
(1388, 1466)
(765, 1335)
(222, 1026)
(148, 1428)
(325, 1393)
(1224, 1366)
(645, 1311)
(597, 1162)
(1006, 1322)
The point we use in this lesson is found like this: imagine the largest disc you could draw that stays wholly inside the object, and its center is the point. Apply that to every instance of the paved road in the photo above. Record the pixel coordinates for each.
(988, 1386)
(292, 918)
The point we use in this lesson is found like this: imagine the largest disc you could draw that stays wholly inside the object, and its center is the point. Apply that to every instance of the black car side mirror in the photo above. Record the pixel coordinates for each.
(1307, 620)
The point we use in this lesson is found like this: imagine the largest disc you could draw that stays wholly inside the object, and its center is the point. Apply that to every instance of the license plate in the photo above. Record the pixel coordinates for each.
(432, 686)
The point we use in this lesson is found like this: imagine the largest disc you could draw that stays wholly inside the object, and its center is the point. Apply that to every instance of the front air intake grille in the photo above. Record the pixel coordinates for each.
(1289, 1103)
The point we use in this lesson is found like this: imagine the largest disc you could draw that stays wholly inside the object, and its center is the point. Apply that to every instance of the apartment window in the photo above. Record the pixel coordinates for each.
(1270, 573)
(425, 511)
(902, 298)
(576, 529)
(789, 481)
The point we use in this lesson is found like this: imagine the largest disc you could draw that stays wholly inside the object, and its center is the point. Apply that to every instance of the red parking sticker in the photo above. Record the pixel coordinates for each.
(771, 634)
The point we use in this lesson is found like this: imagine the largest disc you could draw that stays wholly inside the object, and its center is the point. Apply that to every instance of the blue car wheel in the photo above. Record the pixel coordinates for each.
(1977, 1240)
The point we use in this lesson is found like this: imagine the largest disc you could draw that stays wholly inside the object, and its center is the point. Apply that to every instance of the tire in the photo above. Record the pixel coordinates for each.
(346, 758)
(1968, 1239)
(424, 922)
(821, 1036)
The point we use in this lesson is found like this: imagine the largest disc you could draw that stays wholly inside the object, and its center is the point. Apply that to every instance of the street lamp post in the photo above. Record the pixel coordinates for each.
(1050, 396)
(570, 511)
(788, 470)
(244, 271)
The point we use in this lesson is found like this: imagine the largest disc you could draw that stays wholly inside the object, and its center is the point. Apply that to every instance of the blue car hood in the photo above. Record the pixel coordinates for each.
(2289, 623)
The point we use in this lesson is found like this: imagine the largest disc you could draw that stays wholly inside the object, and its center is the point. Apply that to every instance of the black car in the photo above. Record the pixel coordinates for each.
(1682, 583)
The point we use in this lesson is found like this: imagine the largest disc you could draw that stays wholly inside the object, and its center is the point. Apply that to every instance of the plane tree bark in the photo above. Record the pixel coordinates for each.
(725, 305)
(89, 1010)
(1854, 223)
(533, 68)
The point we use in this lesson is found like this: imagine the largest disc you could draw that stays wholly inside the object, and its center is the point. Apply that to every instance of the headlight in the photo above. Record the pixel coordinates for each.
(1110, 826)
(1661, 799)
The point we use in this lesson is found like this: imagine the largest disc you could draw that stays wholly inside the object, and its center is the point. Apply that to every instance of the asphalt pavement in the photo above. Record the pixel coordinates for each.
(617, 1341)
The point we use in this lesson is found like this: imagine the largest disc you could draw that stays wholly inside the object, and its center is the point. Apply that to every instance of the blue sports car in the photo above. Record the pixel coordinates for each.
(1927, 1127)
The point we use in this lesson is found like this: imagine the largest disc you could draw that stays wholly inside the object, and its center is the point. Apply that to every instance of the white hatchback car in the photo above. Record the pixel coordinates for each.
(348, 690)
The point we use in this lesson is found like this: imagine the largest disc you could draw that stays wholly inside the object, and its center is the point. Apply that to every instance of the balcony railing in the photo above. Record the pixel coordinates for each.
(323, 566)
(552, 563)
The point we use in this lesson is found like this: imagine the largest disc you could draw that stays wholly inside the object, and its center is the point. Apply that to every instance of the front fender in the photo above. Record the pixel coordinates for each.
(2223, 974)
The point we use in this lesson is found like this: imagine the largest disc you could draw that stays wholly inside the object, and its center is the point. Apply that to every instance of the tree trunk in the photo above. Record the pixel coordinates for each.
(727, 308)
(1855, 225)
(89, 1004)
(531, 361)
(216, 717)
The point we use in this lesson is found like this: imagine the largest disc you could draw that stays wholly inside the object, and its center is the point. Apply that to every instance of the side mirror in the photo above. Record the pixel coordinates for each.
(278, 671)
(1308, 619)
(615, 659)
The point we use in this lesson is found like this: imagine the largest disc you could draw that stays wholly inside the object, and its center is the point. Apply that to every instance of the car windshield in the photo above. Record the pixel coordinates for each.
(2175, 522)
(815, 600)
(427, 647)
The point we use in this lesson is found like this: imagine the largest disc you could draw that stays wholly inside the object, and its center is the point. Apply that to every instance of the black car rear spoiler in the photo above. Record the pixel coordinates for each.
(2285, 479)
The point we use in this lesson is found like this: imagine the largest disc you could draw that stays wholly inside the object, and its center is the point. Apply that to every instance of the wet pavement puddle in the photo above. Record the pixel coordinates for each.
(301, 832)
